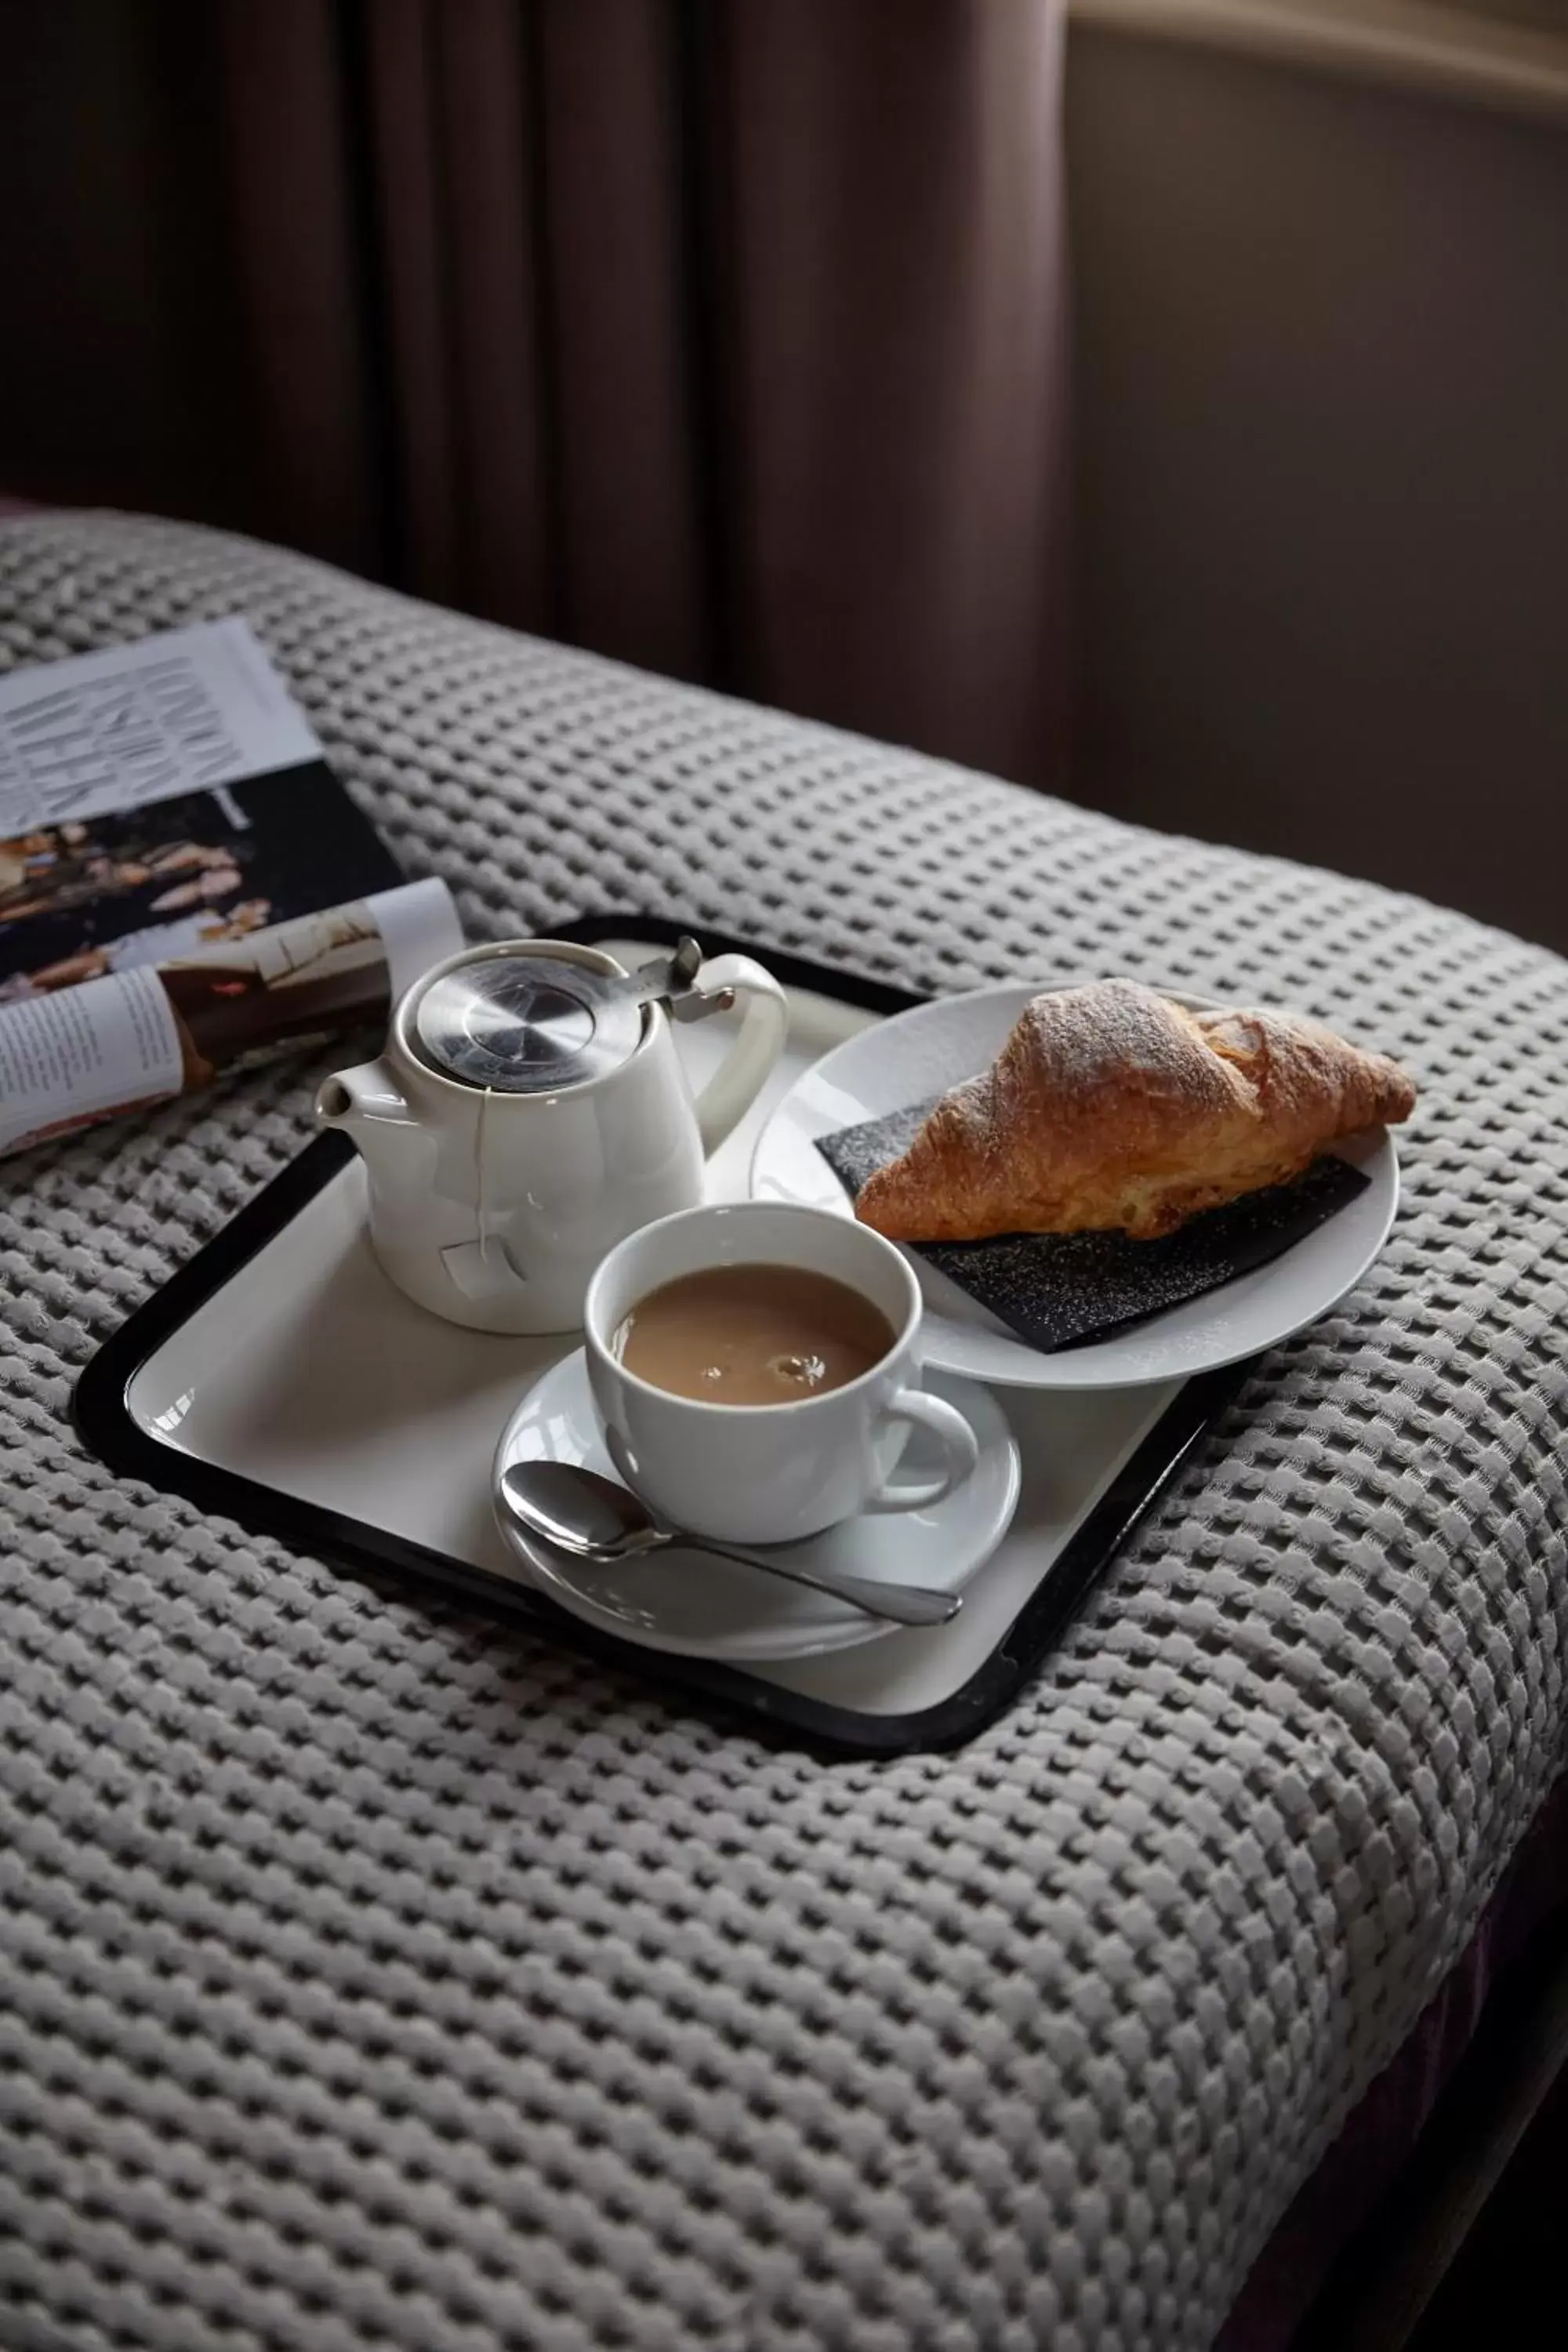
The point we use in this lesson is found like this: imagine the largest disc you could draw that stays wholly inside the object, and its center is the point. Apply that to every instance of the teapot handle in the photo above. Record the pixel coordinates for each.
(745, 1069)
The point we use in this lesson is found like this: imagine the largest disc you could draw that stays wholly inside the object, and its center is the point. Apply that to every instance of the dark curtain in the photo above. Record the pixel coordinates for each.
(724, 336)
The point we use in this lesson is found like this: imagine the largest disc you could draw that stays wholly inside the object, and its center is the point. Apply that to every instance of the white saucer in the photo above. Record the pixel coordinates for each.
(700, 1607)
(916, 1055)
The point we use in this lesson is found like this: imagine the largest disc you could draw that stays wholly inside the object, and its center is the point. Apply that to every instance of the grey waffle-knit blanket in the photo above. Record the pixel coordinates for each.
(372, 1977)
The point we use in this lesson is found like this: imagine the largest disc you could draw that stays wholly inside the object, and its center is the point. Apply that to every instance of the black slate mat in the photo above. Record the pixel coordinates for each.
(1064, 1290)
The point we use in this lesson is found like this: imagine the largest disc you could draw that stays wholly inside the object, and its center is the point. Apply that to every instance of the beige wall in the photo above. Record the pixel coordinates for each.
(1322, 408)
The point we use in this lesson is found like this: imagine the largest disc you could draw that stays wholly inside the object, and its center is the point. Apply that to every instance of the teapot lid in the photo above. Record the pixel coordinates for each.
(528, 1023)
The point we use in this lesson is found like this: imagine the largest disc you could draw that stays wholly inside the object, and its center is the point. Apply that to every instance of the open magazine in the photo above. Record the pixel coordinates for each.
(182, 880)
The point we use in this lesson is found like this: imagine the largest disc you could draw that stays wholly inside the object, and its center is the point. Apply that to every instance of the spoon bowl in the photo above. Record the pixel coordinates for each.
(580, 1512)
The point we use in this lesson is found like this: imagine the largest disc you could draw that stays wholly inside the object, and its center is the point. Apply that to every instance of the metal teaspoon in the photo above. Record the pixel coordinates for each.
(591, 1518)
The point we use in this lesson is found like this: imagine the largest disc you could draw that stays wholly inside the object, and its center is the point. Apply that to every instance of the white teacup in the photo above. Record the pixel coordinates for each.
(772, 1472)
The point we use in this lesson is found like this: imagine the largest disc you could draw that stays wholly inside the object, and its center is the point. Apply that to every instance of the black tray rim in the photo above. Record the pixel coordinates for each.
(101, 1414)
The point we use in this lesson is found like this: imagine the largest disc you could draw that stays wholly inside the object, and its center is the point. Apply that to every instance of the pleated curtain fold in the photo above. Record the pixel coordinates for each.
(724, 336)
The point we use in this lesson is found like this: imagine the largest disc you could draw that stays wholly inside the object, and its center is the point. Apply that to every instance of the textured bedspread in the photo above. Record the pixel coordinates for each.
(371, 1976)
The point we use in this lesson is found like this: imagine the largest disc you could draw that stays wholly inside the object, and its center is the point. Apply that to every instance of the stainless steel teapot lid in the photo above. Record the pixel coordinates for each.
(525, 1025)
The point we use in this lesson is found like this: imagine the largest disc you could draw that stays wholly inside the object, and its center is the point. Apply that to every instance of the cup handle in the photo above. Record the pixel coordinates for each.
(744, 1071)
(958, 1442)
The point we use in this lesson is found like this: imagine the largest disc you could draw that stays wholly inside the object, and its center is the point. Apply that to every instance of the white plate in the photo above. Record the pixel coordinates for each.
(916, 1055)
(701, 1607)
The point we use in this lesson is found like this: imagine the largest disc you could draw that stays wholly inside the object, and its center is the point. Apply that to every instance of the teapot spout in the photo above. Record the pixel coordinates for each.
(367, 1105)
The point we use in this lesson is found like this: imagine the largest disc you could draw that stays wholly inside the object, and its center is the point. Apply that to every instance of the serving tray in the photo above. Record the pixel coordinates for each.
(281, 1379)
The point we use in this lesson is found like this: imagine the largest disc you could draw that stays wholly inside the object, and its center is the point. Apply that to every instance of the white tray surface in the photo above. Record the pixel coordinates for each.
(310, 1374)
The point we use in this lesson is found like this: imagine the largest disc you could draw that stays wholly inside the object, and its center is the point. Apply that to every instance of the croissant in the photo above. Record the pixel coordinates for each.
(1108, 1107)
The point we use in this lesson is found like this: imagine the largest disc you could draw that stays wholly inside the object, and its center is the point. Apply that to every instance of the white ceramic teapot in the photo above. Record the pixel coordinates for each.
(530, 1111)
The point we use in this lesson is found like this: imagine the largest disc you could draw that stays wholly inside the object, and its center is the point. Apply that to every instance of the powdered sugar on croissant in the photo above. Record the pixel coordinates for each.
(1109, 1106)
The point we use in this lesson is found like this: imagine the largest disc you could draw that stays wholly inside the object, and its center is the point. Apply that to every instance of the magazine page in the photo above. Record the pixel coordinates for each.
(158, 798)
(185, 711)
(88, 896)
(182, 880)
(73, 1056)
